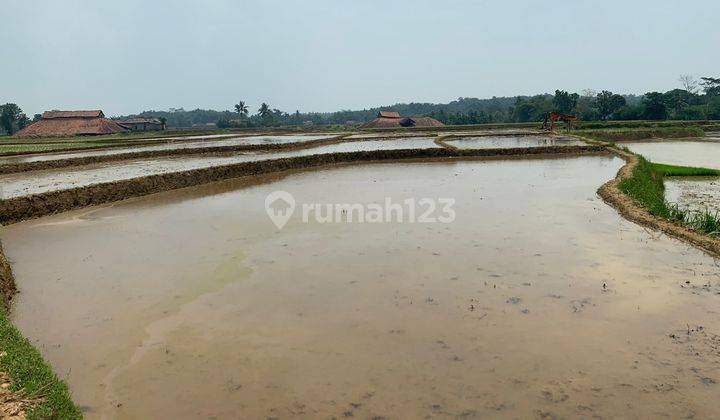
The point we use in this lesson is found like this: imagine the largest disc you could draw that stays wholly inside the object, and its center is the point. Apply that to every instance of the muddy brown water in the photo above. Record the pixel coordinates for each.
(539, 300)
(34, 182)
(700, 153)
(508, 142)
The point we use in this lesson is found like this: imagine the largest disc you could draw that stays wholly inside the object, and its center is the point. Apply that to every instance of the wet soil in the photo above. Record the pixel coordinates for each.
(694, 193)
(538, 301)
(496, 142)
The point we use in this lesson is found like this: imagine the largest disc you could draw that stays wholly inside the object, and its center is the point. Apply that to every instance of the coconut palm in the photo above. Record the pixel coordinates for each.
(241, 109)
(264, 110)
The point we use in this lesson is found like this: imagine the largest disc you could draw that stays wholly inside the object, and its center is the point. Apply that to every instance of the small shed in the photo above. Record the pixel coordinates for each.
(142, 124)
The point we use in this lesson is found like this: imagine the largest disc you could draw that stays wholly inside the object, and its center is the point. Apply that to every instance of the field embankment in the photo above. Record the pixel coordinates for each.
(35, 390)
(637, 192)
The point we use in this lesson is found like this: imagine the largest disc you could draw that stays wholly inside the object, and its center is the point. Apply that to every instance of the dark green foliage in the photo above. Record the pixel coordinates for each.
(608, 103)
(565, 102)
(711, 86)
(655, 108)
(10, 117)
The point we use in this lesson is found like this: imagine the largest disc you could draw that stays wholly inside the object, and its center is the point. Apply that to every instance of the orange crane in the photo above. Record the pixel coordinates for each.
(570, 120)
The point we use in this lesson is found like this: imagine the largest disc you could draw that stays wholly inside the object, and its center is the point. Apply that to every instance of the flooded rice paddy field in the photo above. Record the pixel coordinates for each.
(391, 135)
(538, 300)
(140, 139)
(510, 142)
(238, 141)
(35, 182)
(699, 153)
(694, 193)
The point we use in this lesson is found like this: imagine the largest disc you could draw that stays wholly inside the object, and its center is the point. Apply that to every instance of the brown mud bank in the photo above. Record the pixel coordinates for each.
(7, 281)
(196, 151)
(27, 207)
(631, 210)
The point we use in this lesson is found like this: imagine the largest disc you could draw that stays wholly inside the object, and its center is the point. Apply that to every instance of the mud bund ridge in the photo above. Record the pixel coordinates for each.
(7, 281)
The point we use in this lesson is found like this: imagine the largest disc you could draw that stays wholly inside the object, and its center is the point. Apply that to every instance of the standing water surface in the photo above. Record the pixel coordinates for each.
(538, 300)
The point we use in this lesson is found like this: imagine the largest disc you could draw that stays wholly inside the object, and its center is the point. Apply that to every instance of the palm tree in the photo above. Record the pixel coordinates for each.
(241, 109)
(264, 110)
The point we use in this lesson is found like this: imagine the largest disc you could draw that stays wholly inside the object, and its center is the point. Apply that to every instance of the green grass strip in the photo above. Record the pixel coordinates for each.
(673, 170)
(26, 368)
(29, 372)
(646, 187)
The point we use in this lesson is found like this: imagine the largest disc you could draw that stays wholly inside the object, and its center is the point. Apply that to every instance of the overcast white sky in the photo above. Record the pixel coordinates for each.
(325, 55)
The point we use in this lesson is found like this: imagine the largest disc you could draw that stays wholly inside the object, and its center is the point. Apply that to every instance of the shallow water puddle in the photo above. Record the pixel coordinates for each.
(701, 153)
(510, 142)
(539, 300)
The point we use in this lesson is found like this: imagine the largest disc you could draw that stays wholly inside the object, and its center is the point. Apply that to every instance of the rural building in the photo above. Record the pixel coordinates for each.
(71, 123)
(142, 124)
(389, 119)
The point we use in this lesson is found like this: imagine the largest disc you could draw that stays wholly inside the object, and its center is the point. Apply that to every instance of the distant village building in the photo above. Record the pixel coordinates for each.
(142, 124)
(71, 123)
(390, 119)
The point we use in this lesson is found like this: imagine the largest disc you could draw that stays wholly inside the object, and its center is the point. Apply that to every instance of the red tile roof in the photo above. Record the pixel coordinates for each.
(388, 114)
(71, 123)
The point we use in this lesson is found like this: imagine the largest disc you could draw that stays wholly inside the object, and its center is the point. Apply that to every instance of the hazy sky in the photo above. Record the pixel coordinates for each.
(325, 55)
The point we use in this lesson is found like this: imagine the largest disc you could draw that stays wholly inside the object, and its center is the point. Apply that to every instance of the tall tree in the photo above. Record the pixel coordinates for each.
(655, 108)
(608, 103)
(264, 110)
(9, 116)
(688, 83)
(241, 109)
(564, 102)
(711, 86)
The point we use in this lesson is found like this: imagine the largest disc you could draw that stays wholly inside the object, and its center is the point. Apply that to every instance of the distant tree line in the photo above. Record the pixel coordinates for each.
(694, 100)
